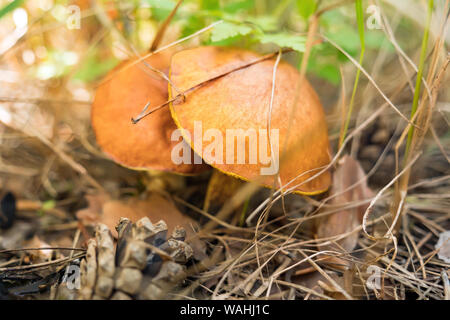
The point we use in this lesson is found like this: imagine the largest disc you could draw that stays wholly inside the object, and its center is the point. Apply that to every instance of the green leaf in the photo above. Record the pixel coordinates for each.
(329, 72)
(339, 28)
(323, 63)
(161, 8)
(240, 5)
(227, 30)
(94, 67)
(376, 39)
(210, 4)
(285, 40)
(48, 205)
(166, 5)
(191, 24)
(10, 7)
(306, 8)
(265, 23)
(347, 38)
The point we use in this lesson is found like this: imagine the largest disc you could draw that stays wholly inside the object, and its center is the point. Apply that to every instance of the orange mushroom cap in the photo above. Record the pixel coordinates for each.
(241, 100)
(146, 145)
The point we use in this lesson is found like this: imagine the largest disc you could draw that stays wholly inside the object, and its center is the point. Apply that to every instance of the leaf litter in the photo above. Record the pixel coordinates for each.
(304, 251)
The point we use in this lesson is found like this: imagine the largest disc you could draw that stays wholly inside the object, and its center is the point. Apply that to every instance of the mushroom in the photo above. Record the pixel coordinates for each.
(225, 90)
(148, 145)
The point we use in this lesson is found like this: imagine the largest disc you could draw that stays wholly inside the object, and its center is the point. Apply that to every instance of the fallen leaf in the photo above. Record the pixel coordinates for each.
(108, 211)
(155, 207)
(92, 213)
(344, 193)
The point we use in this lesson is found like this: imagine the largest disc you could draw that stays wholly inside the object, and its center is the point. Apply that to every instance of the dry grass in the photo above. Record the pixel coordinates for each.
(48, 152)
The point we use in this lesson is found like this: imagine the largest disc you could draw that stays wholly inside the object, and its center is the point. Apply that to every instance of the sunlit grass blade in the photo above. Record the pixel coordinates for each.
(423, 54)
(10, 7)
(360, 22)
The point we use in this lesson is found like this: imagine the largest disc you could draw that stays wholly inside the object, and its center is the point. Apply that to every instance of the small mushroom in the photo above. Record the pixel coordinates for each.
(147, 145)
(240, 99)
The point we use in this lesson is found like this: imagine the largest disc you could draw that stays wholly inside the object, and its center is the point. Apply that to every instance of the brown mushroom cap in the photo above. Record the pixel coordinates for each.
(241, 100)
(145, 145)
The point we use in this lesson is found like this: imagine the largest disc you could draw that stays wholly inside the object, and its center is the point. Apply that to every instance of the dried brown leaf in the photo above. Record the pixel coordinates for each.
(347, 189)
(109, 211)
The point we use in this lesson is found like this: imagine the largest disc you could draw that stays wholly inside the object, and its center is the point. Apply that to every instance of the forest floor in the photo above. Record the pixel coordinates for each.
(247, 243)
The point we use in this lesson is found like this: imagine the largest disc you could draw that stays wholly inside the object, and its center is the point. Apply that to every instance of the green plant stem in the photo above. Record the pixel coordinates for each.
(360, 21)
(281, 7)
(419, 76)
(10, 7)
(244, 212)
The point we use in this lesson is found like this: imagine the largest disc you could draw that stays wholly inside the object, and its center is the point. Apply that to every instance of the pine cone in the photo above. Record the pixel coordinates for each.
(144, 264)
